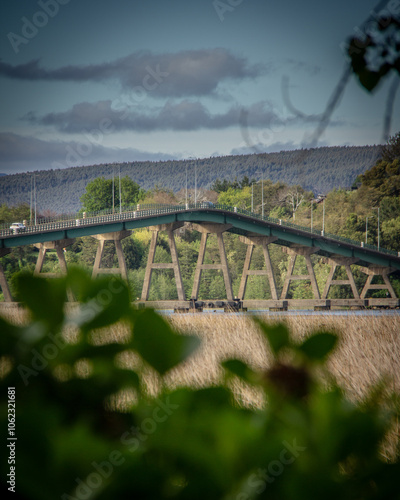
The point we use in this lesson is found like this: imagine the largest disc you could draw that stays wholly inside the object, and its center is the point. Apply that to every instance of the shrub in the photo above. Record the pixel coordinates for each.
(308, 442)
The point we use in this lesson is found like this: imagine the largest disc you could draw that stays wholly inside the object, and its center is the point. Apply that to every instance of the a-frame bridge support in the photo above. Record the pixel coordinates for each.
(378, 271)
(251, 241)
(151, 265)
(116, 237)
(294, 251)
(205, 229)
(336, 261)
(3, 281)
(59, 247)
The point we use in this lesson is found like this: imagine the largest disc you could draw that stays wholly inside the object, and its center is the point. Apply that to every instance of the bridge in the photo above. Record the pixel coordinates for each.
(253, 230)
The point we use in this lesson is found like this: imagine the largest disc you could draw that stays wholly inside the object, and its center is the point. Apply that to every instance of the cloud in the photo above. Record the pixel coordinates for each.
(186, 73)
(184, 115)
(25, 153)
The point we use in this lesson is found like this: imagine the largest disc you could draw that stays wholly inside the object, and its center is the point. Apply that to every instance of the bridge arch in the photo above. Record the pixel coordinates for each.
(220, 219)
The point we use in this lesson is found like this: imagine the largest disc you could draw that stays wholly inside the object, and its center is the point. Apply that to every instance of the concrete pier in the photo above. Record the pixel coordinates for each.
(205, 229)
(116, 237)
(251, 241)
(151, 265)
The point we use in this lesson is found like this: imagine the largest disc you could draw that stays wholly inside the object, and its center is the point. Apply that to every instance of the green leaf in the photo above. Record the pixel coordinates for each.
(277, 335)
(158, 344)
(9, 336)
(240, 369)
(318, 346)
(44, 298)
(104, 300)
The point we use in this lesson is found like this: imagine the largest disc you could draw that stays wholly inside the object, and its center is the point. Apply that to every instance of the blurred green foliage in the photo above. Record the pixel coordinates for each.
(308, 442)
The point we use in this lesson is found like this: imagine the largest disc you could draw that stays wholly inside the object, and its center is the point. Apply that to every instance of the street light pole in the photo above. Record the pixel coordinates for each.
(120, 199)
(377, 208)
(195, 182)
(311, 216)
(186, 187)
(30, 220)
(252, 204)
(34, 197)
(378, 231)
(262, 194)
(113, 191)
(323, 218)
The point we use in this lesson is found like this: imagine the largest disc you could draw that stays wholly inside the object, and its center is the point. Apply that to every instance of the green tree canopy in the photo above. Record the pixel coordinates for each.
(384, 177)
(391, 150)
(18, 213)
(99, 194)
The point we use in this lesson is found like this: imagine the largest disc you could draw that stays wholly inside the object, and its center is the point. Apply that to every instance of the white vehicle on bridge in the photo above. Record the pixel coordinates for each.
(17, 227)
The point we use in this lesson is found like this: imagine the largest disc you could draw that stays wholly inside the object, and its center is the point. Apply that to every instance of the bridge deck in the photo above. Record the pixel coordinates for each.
(241, 221)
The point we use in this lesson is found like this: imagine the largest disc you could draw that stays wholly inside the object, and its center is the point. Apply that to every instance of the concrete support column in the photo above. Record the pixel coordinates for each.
(378, 271)
(337, 261)
(3, 281)
(205, 229)
(306, 252)
(169, 228)
(251, 241)
(58, 246)
(116, 237)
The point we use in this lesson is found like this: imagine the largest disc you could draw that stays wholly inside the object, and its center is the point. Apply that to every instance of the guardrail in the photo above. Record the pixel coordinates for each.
(144, 210)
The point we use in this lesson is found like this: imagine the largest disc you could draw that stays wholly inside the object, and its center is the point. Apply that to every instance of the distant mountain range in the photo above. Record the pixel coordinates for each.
(320, 170)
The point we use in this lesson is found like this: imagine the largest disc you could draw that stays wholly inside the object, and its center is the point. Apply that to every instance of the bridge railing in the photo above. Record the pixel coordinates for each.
(66, 221)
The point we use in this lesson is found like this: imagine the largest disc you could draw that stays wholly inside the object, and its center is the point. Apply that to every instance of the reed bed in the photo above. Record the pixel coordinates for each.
(368, 348)
(368, 352)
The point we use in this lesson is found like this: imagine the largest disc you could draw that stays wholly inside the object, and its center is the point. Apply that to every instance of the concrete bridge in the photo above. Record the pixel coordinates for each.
(217, 219)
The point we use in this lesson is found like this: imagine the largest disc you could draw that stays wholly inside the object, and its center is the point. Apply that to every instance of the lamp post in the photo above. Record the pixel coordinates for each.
(120, 198)
(262, 194)
(34, 197)
(113, 199)
(186, 187)
(30, 206)
(195, 183)
(323, 217)
(377, 208)
(366, 227)
(311, 215)
(195, 177)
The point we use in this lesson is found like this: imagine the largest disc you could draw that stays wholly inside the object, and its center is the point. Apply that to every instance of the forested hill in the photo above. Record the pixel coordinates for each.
(319, 170)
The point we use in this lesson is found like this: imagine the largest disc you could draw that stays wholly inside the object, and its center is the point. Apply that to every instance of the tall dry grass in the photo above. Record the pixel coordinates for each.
(368, 348)
(368, 351)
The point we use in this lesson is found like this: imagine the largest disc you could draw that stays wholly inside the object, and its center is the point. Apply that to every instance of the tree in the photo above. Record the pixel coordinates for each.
(384, 178)
(222, 186)
(161, 195)
(236, 197)
(18, 213)
(294, 198)
(391, 150)
(99, 194)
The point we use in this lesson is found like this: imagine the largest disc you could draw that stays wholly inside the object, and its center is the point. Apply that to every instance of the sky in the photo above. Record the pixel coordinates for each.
(96, 81)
